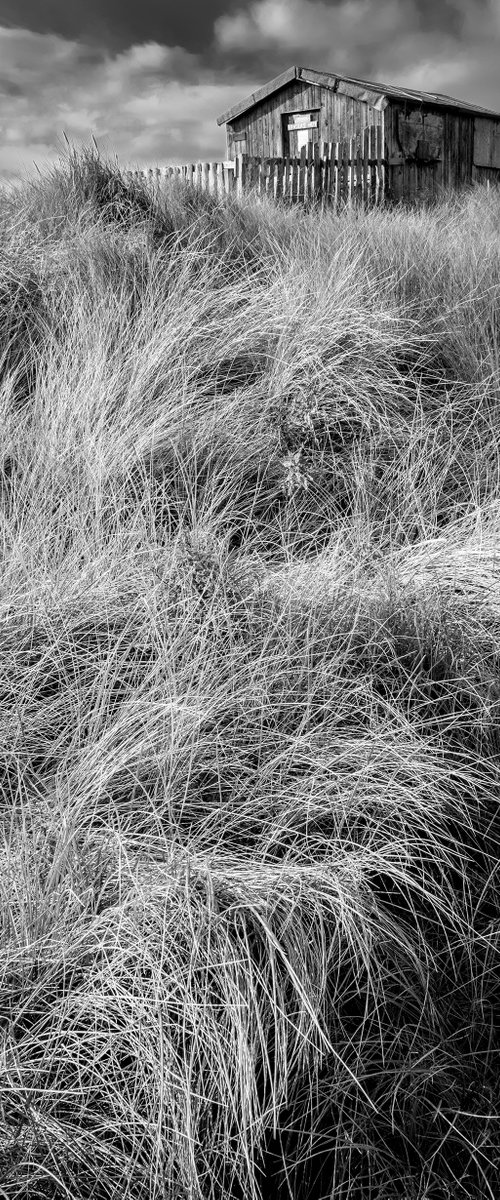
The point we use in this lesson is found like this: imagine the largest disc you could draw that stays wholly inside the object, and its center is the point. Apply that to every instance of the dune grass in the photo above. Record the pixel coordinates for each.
(249, 698)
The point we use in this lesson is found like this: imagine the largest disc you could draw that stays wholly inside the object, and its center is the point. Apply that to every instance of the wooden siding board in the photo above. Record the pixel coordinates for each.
(490, 175)
(258, 96)
(411, 175)
(340, 116)
(450, 151)
(374, 93)
(466, 147)
(486, 143)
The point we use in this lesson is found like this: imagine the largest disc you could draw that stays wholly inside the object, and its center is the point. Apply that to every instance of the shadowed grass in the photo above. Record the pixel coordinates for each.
(249, 697)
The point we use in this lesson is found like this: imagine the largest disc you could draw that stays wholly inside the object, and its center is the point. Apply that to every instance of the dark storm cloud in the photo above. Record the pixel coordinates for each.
(189, 23)
(116, 24)
(149, 103)
(452, 46)
(148, 78)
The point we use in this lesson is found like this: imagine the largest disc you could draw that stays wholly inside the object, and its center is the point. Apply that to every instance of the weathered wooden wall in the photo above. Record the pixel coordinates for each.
(259, 131)
(431, 149)
(427, 148)
(349, 172)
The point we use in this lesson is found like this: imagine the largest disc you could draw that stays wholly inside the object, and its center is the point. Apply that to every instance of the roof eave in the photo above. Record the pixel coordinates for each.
(333, 80)
(261, 94)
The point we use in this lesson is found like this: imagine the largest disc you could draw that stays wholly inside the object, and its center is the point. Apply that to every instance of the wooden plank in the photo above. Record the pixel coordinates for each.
(366, 167)
(316, 158)
(325, 172)
(310, 174)
(337, 173)
(345, 171)
(237, 175)
(302, 195)
(273, 178)
(248, 173)
(282, 177)
(287, 178)
(340, 183)
(256, 97)
(359, 171)
(330, 193)
(486, 150)
(294, 179)
(380, 179)
(270, 177)
(371, 163)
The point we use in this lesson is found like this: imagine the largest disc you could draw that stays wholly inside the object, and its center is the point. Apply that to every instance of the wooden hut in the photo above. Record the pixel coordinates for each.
(430, 141)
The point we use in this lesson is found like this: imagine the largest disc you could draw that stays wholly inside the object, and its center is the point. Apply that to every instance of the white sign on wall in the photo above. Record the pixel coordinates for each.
(304, 122)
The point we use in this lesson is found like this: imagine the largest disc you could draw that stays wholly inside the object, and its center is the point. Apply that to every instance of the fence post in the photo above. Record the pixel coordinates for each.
(345, 171)
(336, 173)
(325, 174)
(359, 171)
(277, 179)
(294, 179)
(238, 172)
(380, 165)
(349, 172)
(302, 184)
(366, 167)
(371, 162)
(286, 177)
(229, 176)
(316, 172)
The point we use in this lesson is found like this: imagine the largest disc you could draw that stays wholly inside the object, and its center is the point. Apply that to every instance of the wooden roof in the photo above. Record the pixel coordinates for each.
(375, 94)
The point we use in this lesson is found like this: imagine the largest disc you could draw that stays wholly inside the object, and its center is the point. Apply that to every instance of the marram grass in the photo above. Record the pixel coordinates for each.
(249, 697)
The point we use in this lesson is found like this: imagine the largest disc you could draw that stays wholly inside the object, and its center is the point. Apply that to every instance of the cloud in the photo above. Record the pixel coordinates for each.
(148, 104)
(152, 100)
(452, 45)
(118, 24)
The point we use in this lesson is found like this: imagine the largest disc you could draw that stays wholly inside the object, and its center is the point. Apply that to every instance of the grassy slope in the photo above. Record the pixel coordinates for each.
(249, 699)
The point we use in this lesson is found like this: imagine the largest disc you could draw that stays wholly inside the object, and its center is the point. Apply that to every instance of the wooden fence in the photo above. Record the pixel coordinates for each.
(352, 172)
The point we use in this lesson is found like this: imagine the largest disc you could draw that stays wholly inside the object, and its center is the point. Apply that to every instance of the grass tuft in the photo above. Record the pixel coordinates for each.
(249, 696)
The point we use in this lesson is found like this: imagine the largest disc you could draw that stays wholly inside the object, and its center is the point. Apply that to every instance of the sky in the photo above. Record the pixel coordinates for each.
(148, 78)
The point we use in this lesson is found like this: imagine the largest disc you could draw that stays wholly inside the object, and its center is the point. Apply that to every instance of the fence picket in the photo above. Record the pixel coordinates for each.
(380, 168)
(366, 168)
(344, 185)
(336, 173)
(279, 172)
(307, 171)
(302, 190)
(316, 184)
(359, 172)
(294, 180)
